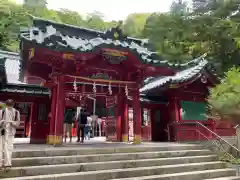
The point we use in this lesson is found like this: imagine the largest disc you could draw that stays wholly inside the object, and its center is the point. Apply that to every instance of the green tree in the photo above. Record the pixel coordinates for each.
(212, 27)
(12, 17)
(224, 99)
(134, 24)
(70, 17)
(170, 33)
(179, 7)
(35, 3)
(43, 13)
(95, 21)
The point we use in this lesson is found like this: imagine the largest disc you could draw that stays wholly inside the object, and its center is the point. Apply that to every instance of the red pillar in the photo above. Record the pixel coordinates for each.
(119, 117)
(34, 133)
(52, 115)
(125, 122)
(174, 110)
(59, 115)
(137, 118)
(177, 110)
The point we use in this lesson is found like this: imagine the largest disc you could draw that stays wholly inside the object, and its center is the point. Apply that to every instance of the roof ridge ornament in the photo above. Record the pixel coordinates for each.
(115, 33)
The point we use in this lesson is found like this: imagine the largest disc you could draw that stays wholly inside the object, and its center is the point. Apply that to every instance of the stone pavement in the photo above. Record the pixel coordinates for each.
(22, 144)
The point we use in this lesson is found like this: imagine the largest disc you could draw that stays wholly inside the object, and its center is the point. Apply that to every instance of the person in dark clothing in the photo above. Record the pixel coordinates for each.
(82, 121)
(68, 124)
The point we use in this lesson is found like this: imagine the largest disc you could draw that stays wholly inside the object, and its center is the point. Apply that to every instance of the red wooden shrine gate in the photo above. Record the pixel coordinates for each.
(111, 118)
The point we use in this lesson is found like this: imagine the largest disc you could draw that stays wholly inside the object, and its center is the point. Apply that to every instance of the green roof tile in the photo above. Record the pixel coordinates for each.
(25, 89)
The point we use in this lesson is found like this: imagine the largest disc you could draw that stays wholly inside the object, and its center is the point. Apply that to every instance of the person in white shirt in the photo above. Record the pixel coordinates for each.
(88, 128)
(10, 120)
(94, 122)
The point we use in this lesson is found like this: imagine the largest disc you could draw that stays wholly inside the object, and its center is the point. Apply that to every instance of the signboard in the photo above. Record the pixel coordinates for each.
(100, 76)
(114, 56)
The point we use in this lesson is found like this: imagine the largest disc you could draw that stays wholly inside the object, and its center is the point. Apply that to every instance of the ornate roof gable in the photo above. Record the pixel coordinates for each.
(62, 37)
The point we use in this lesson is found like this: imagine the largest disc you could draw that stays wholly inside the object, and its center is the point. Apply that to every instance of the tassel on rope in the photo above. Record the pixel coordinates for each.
(126, 90)
(110, 89)
(75, 85)
(94, 88)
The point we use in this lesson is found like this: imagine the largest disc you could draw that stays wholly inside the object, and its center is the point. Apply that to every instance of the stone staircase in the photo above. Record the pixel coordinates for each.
(135, 162)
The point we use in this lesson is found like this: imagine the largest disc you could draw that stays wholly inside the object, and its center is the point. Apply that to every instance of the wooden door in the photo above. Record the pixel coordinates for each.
(39, 123)
(156, 124)
(111, 118)
(146, 125)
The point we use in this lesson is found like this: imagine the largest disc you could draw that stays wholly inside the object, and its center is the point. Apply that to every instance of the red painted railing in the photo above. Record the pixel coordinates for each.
(202, 133)
(192, 131)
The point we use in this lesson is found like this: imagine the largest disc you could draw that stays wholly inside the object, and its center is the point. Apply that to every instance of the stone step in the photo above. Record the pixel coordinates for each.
(134, 172)
(35, 161)
(95, 166)
(64, 151)
(194, 175)
(225, 178)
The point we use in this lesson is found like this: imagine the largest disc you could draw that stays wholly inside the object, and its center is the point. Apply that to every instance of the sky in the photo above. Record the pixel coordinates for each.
(112, 9)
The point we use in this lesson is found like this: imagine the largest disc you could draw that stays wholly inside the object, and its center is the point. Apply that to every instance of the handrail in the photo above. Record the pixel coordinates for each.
(200, 133)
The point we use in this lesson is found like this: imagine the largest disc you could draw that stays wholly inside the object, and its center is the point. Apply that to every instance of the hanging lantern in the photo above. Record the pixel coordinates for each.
(94, 87)
(110, 89)
(126, 90)
(75, 85)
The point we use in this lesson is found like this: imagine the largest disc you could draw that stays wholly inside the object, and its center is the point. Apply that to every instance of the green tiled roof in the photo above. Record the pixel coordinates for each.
(25, 89)
(179, 77)
(153, 100)
(11, 63)
(68, 38)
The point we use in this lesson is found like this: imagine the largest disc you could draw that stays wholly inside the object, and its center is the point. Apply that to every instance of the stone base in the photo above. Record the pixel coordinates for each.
(137, 139)
(54, 140)
(124, 138)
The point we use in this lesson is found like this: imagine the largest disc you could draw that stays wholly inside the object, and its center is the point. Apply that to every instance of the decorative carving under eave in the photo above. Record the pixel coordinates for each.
(173, 86)
(100, 76)
(203, 79)
(67, 56)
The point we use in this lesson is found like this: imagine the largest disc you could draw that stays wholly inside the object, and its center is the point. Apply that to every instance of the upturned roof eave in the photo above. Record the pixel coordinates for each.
(177, 79)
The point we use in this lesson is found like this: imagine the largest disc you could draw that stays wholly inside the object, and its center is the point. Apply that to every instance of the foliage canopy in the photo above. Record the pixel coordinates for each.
(179, 35)
(224, 99)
